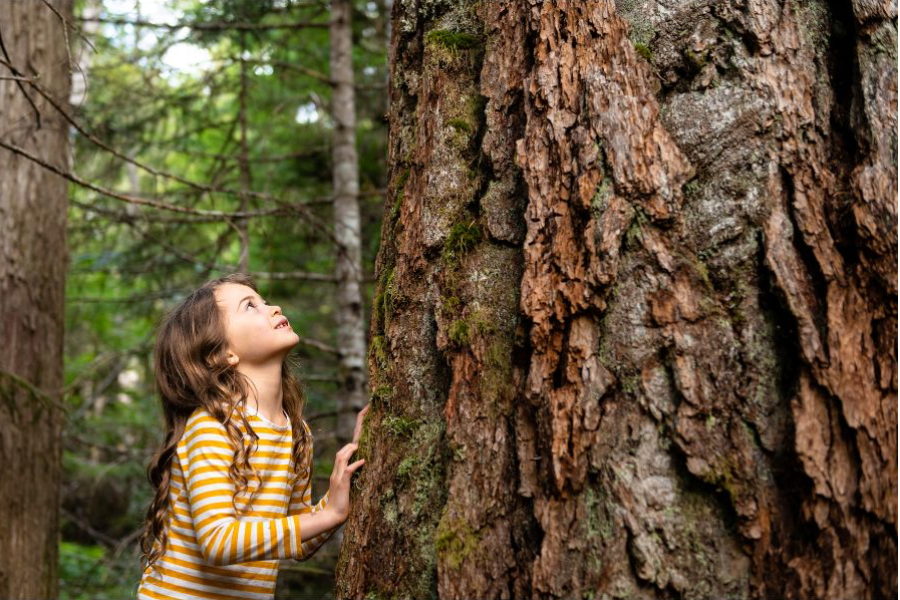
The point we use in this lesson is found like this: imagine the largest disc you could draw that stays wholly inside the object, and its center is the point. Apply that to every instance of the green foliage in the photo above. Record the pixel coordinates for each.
(76, 561)
(90, 572)
(323, 467)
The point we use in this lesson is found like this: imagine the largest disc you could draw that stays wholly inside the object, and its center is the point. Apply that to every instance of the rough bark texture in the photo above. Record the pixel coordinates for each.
(348, 263)
(33, 258)
(636, 323)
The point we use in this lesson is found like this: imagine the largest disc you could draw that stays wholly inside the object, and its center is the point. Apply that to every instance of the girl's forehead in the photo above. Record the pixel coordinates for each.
(232, 293)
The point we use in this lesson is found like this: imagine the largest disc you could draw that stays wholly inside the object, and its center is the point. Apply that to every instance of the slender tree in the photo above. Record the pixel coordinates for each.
(33, 255)
(635, 328)
(351, 332)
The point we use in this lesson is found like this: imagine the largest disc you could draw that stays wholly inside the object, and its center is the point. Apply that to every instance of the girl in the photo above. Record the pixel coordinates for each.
(233, 476)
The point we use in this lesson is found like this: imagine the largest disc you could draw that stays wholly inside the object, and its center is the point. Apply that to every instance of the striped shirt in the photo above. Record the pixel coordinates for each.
(212, 552)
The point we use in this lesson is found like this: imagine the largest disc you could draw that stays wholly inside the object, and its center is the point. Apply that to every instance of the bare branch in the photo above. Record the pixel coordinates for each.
(328, 378)
(17, 73)
(66, 26)
(206, 26)
(260, 159)
(141, 297)
(214, 214)
(304, 275)
(294, 67)
(330, 413)
(319, 345)
(98, 536)
(45, 398)
(148, 217)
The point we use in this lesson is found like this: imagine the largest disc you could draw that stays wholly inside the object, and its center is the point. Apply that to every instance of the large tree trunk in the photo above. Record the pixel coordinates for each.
(635, 331)
(33, 260)
(348, 261)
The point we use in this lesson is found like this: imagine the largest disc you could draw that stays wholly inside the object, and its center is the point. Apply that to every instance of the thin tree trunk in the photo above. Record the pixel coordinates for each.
(348, 270)
(84, 53)
(242, 226)
(33, 260)
(636, 324)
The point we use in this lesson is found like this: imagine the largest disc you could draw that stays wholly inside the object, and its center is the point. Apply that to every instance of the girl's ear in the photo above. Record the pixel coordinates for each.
(233, 358)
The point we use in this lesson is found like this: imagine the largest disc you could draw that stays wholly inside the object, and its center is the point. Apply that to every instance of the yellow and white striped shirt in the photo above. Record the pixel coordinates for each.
(212, 552)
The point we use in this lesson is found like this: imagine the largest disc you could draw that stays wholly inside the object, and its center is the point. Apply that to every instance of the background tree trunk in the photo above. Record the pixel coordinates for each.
(33, 257)
(635, 329)
(348, 263)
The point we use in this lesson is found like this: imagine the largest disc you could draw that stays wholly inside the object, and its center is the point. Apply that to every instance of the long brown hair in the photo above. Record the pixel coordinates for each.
(192, 371)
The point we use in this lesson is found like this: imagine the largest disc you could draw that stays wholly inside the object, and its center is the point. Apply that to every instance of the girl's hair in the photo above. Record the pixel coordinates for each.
(192, 371)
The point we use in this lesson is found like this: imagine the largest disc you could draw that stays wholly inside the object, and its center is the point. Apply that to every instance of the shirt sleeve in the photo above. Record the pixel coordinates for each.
(301, 503)
(223, 539)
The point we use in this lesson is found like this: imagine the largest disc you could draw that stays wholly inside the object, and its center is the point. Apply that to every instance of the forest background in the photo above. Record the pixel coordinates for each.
(242, 107)
(634, 330)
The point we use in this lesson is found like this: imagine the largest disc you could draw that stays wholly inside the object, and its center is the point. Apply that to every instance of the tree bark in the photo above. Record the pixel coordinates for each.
(635, 328)
(348, 261)
(33, 260)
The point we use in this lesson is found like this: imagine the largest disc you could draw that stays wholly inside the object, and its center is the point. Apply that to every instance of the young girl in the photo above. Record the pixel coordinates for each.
(233, 476)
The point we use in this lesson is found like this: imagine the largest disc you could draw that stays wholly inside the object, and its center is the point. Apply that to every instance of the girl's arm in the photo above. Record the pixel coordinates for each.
(301, 500)
(223, 539)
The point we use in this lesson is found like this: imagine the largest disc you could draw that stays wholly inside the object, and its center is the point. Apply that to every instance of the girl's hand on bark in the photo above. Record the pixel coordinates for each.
(360, 416)
(339, 490)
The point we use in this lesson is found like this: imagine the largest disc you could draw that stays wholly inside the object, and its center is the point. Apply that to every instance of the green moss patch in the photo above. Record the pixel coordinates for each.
(378, 348)
(644, 51)
(458, 332)
(399, 192)
(463, 237)
(455, 540)
(400, 426)
(460, 125)
(452, 40)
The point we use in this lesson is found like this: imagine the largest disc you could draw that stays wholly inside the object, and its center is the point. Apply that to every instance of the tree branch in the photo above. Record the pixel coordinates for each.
(212, 214)
(17, 73)
(206, 26)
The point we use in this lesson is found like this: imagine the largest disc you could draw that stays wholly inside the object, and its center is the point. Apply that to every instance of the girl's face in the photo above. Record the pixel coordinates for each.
(257, 333)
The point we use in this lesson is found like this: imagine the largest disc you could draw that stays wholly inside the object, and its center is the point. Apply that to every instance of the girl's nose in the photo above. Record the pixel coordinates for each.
(276, 309)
